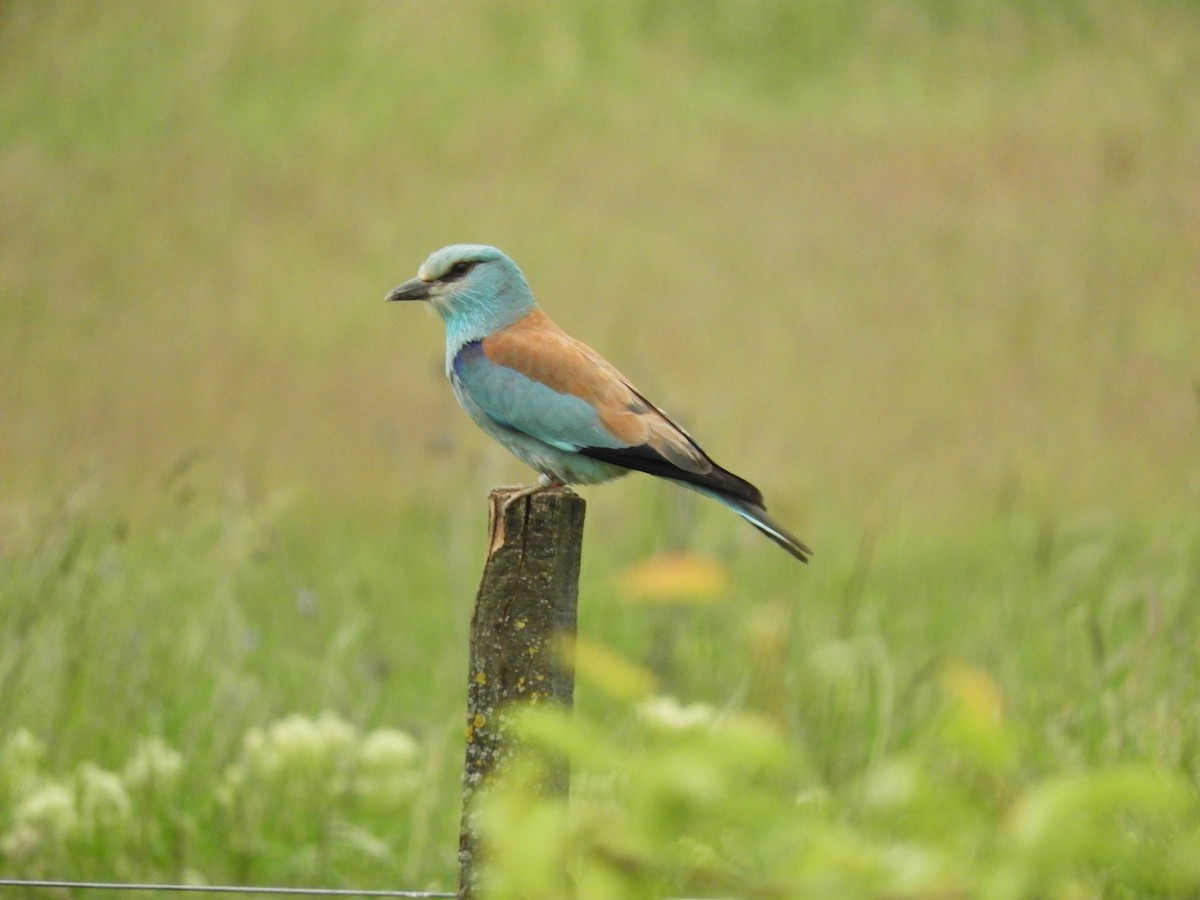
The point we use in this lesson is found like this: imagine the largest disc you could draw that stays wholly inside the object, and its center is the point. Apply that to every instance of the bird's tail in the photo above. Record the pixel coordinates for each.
(757, 516)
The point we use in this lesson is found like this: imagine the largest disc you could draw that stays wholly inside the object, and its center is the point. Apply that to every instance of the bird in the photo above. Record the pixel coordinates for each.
(552, 401)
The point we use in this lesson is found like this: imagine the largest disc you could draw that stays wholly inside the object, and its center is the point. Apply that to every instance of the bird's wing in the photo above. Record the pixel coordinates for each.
(515, 401)
(534, 377)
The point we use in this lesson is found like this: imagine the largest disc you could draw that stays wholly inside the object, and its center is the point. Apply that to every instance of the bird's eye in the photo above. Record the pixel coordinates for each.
(459, 269)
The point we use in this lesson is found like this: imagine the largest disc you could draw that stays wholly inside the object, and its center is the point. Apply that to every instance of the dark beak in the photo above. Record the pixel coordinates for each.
(413, 289)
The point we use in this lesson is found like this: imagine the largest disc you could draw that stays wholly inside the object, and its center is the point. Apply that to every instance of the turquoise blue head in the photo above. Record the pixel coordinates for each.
(475, 288)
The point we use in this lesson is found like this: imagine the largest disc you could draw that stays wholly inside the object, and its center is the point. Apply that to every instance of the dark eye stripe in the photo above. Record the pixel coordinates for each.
(459, 269)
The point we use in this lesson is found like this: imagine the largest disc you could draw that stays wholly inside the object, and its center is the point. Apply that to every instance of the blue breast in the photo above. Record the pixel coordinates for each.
(467, 353)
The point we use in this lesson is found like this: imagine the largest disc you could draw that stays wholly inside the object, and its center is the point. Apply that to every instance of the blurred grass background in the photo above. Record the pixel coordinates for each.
(926, 272)
(958, 242)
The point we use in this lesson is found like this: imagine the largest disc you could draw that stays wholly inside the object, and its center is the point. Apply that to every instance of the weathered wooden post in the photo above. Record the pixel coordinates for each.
(523, 611)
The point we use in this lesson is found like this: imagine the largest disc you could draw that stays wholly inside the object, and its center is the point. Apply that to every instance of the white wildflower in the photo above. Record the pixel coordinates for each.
(387, 765)
(667, 713)
(43, 821)
(103, 802)
(306, 759)
(154, 766)
(388, 748)
(299, 744)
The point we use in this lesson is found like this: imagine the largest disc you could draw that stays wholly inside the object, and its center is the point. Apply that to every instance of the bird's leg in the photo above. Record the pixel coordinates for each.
(544, 483)
(496, 517)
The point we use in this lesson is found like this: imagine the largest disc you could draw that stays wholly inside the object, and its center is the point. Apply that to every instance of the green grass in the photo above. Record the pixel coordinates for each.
(925, 272)
(996, 677)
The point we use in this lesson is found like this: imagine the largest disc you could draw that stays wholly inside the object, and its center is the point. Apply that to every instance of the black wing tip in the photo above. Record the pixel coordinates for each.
(644, 458)
(718, 483)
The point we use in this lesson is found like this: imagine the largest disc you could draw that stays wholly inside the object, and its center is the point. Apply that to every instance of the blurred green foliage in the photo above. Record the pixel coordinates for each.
(925, 271)
(1022, 726)
(720, 804)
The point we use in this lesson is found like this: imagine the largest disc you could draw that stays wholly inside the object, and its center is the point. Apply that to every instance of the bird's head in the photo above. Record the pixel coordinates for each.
(475, 288)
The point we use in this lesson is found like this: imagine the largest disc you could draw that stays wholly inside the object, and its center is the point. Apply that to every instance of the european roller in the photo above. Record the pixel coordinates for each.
(555, 403)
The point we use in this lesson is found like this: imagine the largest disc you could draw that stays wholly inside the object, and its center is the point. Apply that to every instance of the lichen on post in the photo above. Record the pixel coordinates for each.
(524, 617)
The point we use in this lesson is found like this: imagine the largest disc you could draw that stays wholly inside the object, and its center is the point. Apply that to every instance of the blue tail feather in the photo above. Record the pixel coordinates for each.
(757, 516)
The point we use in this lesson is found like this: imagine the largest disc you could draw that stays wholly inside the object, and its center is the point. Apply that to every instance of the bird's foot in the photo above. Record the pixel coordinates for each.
(544, 483)
(496, 514)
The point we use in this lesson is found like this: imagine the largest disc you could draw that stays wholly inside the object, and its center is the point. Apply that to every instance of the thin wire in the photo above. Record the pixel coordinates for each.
(217, 888)
(226, 889)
